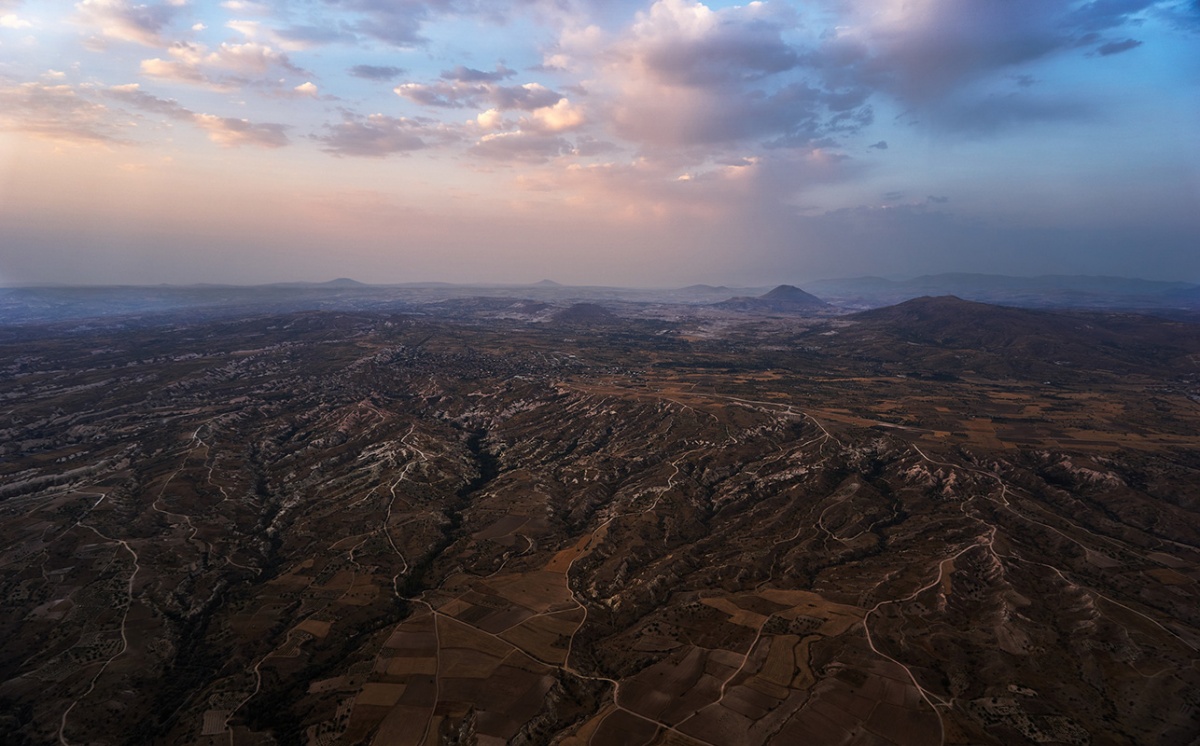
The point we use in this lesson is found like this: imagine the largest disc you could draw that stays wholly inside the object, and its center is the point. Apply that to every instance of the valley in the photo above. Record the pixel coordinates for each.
(346, 527)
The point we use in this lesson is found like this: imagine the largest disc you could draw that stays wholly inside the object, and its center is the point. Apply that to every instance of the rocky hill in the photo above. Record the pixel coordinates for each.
(782, 299)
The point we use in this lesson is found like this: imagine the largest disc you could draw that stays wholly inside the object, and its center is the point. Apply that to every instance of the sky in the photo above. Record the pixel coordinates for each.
(615, 142)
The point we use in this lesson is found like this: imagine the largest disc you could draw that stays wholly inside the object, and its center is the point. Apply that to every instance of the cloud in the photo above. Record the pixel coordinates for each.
(250, 59)
(56, 112)
(528, 147)
(376, 72)
(225, 131)
(290, 38)
(133, 95)
(12, 21)
(1102, 15)
(247, 6)
(587, 146)
(457, 95)
(230, 132)
(988, 115)
(527, 97)
(228, 66)
(440, 95)
(307, 88)
(796, 115)
(683, 75)
(561, 117)
(1116, 47)
(400, 23)
(470, 75)
(397, 23)
(921, 51)
(531, 139)
(376, 136)
(492, 119)
(682, 43)
(177, 71)
(142, 23)
(941, 60)
(656, 189)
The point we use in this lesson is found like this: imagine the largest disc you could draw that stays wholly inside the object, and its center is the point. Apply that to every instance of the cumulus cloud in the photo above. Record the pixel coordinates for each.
(492, 119)
(378, 135)
(142, 23)
(528, 147)
(440, 95)
(225, 131)
(527, 97)
(534, 138)
(941, 59)
(229, 65)
(177, 71)
(561, 117)
(395, 23)
(376, 72)
(795, 115)
(401, 23)
(289, 38)
(247, 6)
(923, 50)
(308, 88)
(249, 59)
(683, 43)
(470, 75)
(56, 112)
(133, 95)
(458, 94)
(230, 132)
(13, 21)
(685, 75)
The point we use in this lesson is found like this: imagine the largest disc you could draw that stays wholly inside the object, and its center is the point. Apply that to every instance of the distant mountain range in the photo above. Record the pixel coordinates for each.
(23, 305)
(1045, 291)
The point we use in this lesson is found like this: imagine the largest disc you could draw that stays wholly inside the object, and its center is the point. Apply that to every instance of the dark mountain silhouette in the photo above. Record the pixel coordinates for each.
(792, 294)
(782, 299)
(342, 282)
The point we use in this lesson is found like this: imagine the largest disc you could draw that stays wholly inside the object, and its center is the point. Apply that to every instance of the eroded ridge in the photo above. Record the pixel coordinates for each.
(350, 528)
